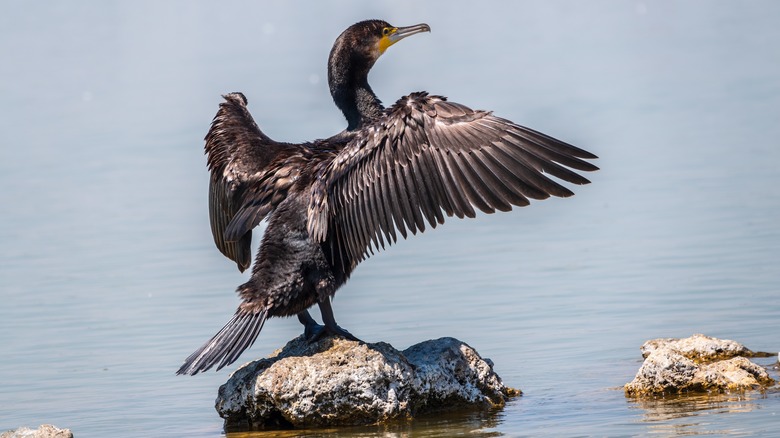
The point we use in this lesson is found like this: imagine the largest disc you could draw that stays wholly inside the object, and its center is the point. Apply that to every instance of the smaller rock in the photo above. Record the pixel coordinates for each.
(44, 431)
(696, 364)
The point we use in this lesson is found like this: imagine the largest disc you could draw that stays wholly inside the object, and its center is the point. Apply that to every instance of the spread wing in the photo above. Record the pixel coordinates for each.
(238, 154)
(428, 158)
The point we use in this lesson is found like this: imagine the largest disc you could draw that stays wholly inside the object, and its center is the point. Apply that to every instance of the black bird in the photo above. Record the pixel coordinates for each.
(331, 203)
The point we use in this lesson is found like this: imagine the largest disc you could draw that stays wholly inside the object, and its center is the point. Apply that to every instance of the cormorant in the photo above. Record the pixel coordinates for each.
(330, 203)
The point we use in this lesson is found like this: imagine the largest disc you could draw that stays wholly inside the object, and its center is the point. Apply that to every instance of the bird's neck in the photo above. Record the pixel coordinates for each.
(359, 105)
(348, 81)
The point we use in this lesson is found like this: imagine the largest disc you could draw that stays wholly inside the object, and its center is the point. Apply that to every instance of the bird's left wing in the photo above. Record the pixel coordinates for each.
(238, 154)
(428, 157)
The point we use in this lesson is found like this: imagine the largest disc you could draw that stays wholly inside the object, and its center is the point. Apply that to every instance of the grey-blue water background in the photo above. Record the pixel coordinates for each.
(109, 277)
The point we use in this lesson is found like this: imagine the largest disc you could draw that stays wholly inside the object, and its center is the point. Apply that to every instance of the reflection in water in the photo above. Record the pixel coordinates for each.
(691, 414)
(473, 424)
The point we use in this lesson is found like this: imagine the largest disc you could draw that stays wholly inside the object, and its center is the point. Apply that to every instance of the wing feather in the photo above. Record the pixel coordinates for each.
(469, 183)
(427, 158)
(383, 193)
(510, 186)
(393, 196)
(374, 210)
(438, 194)
(417, 222)
(460, 206)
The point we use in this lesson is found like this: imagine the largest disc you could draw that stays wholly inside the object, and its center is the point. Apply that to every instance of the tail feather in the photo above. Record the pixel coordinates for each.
(227, 345)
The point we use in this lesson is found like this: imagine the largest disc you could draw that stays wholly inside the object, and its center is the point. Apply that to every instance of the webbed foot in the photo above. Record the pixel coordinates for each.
(331, 328)
(314, 332)
(311, 330)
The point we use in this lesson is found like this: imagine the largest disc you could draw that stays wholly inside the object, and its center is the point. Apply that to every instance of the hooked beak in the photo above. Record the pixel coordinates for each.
(403, 32)
(399, 33)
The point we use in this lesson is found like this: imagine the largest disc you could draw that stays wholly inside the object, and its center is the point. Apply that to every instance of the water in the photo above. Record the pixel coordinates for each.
(109, 277)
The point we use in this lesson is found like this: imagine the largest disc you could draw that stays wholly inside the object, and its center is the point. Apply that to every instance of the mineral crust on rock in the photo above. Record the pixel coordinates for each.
(336, 381)
(44, 431)
(700, 348)
(696, 364)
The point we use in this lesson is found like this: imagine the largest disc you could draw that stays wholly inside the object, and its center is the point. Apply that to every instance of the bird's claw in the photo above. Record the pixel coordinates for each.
(336, 330)
(314, 333)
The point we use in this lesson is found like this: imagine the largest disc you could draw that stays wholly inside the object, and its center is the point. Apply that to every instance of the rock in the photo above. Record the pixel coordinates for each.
(44, 431)
(341, 382)
(696, 364)
(699, 348)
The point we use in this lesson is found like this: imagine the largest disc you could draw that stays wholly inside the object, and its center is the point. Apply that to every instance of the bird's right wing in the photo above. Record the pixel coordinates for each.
(427, 155)
(238, 154)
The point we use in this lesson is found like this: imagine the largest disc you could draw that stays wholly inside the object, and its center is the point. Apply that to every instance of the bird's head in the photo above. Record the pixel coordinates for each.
(354, 53)
(367, 40)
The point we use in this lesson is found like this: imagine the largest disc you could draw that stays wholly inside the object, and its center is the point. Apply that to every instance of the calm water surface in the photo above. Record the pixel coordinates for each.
(109, 277)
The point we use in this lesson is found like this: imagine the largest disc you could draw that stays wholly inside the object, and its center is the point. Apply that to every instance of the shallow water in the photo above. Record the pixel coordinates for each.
(109, 277)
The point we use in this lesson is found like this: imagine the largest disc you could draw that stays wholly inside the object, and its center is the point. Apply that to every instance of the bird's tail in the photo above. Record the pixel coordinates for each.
(225, 347)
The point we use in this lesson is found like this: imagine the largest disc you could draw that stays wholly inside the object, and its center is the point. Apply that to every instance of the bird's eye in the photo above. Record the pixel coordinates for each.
(386, 31)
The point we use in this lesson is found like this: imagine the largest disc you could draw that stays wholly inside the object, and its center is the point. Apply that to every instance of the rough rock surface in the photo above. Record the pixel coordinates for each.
(696, 364)
(44, 431)
(699, 348)
(341, 382)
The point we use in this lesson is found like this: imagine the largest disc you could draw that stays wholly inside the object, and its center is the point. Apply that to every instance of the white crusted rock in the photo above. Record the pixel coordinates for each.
(44, 431)
(735, 374)
(663, 371)
(699, 348)
(341, 382)
(696, 364)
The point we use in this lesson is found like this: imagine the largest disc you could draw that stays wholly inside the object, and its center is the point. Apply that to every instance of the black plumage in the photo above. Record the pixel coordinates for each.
(333, 202)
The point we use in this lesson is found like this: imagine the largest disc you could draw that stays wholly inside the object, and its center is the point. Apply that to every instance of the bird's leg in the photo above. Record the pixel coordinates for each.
(312, 331)
(331, 327)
